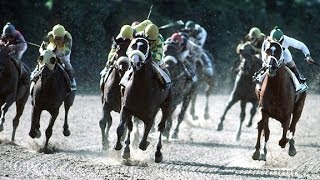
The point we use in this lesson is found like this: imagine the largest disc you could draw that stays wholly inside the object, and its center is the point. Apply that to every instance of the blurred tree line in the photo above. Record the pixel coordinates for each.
(94, 23)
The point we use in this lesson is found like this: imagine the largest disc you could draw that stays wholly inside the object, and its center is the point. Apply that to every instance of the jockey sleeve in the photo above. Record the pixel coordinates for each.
(291, 42)
(201, 36)
(19, 43)
(157, 48)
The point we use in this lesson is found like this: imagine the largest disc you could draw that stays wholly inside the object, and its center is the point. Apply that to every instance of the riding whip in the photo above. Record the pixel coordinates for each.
(33, 44)
(172, 24)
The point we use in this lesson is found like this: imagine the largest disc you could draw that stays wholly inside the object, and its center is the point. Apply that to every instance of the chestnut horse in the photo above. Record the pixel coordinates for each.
(244, 87)
(278, 100)
(110, 89)
(49, 92)
(14, 87)
(142, 98)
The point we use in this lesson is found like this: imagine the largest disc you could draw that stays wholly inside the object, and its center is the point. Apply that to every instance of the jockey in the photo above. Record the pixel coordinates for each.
(60, 42)
(198, 35)
(151, 32)
(256, 39)
(277, 35)
(14, 40)
(126, 34)
(186, 50)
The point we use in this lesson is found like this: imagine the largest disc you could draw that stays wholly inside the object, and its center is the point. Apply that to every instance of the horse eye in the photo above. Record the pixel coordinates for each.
(134, 46)
(52, 60)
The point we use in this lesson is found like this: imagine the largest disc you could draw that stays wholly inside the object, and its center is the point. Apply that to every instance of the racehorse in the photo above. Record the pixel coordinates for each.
(110, 90)
(209, 81)
(48, 93)
(244, 87)
(142, 98)
(183, 86)
(278, 100)
(14, 87)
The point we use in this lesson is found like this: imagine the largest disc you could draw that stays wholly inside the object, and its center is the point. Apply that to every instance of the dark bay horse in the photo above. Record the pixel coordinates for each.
(13, 88)
(49, 92)
(208, 81)
(142, 98)
(110, 90)
(183, 87)
(278, 100)
(244, 87)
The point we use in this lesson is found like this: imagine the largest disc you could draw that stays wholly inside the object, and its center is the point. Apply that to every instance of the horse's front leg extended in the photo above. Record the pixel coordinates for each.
(124, 117)
(106, 118)
(253, 111)
(208, 92)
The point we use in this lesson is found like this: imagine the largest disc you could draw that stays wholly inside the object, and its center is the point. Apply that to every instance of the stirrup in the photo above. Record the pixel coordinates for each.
(73, 85)
(303, 88)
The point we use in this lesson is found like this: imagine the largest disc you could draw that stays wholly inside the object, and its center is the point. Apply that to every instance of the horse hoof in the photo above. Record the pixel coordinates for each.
(283, 142)
(143, 146)
(174, 136)
(238, 138)
(118, 146)
(38, 134)
(263, 157)
(249, 124)
(292, 149)
(158, 157)
(32, 134)
(66, 132)
(220, 127)
(256, 155)
(126, 153)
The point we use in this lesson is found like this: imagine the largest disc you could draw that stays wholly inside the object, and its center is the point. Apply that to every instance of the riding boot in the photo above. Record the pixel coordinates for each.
(207, 65)
(302, 86)
(70, 72)
(166, 84)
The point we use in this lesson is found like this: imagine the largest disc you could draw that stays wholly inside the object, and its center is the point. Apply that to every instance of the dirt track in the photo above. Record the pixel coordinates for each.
(200, 153)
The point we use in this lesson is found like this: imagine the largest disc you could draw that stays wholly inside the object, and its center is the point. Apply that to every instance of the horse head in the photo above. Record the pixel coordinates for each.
(249, 60)
(47, 63)
(138, 52)
(274, 57)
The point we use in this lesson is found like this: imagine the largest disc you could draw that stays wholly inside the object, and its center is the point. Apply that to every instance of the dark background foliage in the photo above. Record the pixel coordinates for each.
(94, 23)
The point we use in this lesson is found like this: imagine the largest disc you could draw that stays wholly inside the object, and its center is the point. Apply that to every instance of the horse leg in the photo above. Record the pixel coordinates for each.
(67, 104)
(192, 108)
(263, 153)
(54, 115)
(208, 92)
(144, 143)
(8, 102)
(19, 110)
(124, 117)
(295, 118)
(185, 104)
(230, 103)
(285, 126)
(126, 151)
(242, 116)
(256, 154)
(35, 124)
(253, 112)
(106, 117)
(167, 128)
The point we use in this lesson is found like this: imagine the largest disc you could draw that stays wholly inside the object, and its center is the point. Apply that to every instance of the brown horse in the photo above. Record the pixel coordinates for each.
(142, 98)
(278, 100)
(244, 87)
(14, 87)
(110, 90)
(183, 87)
(49, 92)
